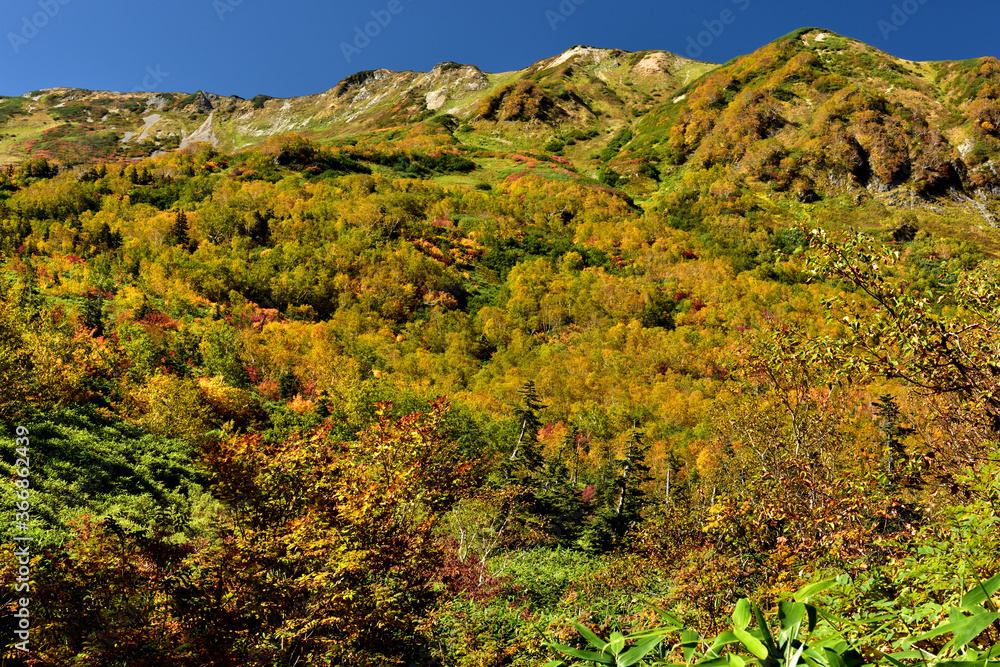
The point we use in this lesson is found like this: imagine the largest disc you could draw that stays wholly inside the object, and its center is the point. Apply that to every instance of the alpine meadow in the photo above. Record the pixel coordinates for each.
(623, 358)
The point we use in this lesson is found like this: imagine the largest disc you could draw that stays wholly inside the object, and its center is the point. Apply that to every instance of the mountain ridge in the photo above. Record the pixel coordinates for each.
(811, 114)
(446, 82)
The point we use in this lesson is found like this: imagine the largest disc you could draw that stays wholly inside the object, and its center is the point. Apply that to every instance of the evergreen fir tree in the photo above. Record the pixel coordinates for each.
(93, 314)
(179, 230)
(259, 231)
(525, 454)
(27, 292)
(634, 473)
(323, 404)
(894, 456)
(556, 500)
(288, 385)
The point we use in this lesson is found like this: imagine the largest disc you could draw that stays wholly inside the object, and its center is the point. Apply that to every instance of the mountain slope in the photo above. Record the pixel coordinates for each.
(810, 115)
(575, 88)
(815, 113)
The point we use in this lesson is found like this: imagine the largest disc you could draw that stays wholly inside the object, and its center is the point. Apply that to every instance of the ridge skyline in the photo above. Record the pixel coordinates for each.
(156, 76)
(32, 92)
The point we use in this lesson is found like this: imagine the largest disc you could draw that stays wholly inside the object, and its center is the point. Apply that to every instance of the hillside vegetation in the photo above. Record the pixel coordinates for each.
(457, 368)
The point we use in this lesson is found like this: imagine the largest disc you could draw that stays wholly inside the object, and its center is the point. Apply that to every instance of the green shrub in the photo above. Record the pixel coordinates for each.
(84, 462)
(554, 145)
(260, 100)
(623, 137)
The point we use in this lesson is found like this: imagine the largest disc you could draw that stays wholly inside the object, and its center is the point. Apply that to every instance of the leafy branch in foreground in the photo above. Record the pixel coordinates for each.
(803, 634)
(945, 344)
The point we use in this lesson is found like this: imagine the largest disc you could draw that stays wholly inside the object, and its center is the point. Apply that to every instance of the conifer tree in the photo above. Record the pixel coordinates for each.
(894, 454)
(179, 230)
(323, 404)
(93, 314)
(259, 230)
(27, 292)
(525, 451)
(634, 472)
(556, 500)
(288, 385)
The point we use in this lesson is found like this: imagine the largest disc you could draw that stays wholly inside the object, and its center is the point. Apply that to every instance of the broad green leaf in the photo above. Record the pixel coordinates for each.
(961, 628)
(794, 660)
(670, 618)
(765, 631)
(813, 656)
(981, 592)
(689, 641)
(663, 614)
(834, 658)
(658, 632)
(584, 655)
(939, 630)
(790, 615)
(638, 652)
(751, 643)
(714, 662)
(724, 639)
(806, 592)
(554, 663)
(741, 615)
(589, 635)
(893, 660)
(972, 628)
(907, 655)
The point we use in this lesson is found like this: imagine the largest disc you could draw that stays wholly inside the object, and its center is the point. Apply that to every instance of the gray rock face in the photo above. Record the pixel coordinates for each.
(204, 102)
(156, 102)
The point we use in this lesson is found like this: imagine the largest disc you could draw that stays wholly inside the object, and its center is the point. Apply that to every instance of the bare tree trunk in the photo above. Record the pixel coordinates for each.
(520, 438)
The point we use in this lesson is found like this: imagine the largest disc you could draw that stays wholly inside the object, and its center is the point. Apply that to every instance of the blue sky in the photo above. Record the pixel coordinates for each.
(297, 47)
